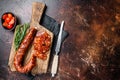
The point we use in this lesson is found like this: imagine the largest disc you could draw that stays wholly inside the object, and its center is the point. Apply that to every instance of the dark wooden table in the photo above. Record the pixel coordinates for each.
(92, 50)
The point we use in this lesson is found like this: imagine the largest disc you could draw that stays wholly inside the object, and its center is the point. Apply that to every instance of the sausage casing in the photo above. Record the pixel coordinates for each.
(19, 57)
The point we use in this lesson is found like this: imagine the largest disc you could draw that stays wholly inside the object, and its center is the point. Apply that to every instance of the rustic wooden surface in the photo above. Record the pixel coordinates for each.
(92, 50)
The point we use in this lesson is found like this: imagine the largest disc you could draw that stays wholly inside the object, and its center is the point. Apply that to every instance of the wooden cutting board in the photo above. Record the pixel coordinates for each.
(41, 65)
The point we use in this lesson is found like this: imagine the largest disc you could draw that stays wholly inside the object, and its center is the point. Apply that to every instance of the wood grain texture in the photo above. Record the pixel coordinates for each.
(41, 65)
(37, 11)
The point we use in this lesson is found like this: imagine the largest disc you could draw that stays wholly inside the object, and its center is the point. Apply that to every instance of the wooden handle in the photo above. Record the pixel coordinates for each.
(54, 65)
(37, 11)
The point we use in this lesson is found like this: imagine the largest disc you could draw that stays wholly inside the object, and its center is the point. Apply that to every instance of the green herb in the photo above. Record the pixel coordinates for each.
(19, 34)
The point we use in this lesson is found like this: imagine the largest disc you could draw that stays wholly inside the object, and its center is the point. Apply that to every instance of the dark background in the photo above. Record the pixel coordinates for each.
(92, 50)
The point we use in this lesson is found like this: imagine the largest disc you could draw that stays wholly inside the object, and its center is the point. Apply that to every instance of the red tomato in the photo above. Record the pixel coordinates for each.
(4, 16)
(5, 24)
(12, 21)
(10, 15)
(9, 26)
(7, 20)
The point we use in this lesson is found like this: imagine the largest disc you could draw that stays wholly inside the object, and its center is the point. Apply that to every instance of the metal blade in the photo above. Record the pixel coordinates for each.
(57, 49)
